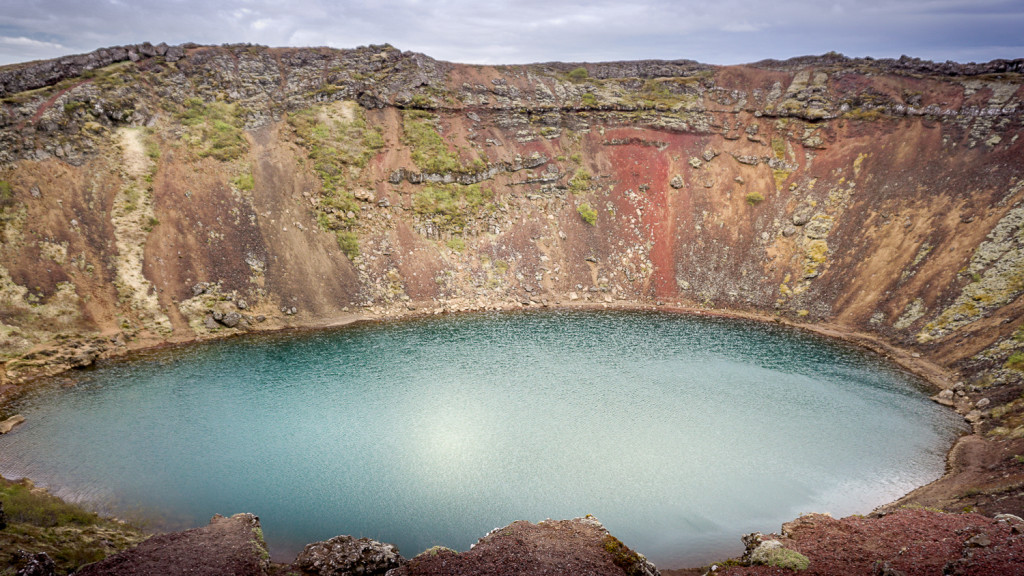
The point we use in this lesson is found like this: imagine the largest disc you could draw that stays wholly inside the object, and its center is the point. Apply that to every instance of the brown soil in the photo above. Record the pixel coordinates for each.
(226, 547)
(909, 542)
(580, 546)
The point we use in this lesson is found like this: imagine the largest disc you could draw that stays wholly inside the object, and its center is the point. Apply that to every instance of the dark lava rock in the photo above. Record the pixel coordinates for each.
(226, 546)
(231, 319)
(37, 565)
(3, 517)
(344, 555)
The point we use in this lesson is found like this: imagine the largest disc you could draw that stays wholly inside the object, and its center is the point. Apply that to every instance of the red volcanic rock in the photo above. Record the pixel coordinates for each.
(908, 542)
(580, 546)
(226, 547)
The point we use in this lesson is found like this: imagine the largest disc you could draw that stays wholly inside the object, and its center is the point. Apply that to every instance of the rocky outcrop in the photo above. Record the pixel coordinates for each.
(39, 564)
(22, 77)
(226, 546)
(9, 424)
(345, 555)
(580, 546)
(908, 542)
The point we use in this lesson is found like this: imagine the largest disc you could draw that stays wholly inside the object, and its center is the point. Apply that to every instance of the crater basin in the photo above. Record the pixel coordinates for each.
(679, 433)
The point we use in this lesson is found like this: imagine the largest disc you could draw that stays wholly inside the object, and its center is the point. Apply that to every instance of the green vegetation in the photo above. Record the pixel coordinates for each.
(779, 148)
(784, 558)
(1015, 362)
(339, 147)
(451, 206)
(6, 193)
(456, 243)
(22, 505)
(580, 182)
(214, 128)
(588, 213)
(348, 241)
(754, 198)
(152, 147)
(589, 100)
(430, 152)
(629, 561)
(243, 181)
(71, 535)
(578, 74)
(865, 115)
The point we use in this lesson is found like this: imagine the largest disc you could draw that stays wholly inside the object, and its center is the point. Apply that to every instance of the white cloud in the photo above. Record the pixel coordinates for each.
(516, 31)
(29, 43)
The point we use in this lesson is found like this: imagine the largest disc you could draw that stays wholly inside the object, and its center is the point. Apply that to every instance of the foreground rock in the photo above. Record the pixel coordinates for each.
(347, 555)
(9, 424)
(227, 546)
(580, 546)
(907, 542)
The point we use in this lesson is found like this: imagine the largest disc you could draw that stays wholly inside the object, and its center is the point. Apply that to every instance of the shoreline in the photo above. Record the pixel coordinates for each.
(935, 376)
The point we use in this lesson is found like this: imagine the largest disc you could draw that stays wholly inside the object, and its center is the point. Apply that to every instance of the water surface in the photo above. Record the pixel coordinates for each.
(679, 433)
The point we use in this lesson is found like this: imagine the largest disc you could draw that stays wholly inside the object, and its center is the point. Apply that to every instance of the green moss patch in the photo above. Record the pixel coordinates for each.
(71, 535)
(452, 206)
(429, 150)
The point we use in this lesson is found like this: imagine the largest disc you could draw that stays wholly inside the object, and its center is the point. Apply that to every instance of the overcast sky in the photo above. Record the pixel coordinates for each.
(522, 31)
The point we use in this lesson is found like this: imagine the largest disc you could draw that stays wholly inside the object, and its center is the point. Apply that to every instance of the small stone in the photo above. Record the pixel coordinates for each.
(241, 304)
(946, 395)
(973, 416)
(886, 569)
(983, 403)
(676, 182)
(1008, 519)
(210, 323)
(979, 541)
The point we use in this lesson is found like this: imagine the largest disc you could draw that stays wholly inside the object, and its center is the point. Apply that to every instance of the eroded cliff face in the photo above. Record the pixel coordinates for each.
(152, 194)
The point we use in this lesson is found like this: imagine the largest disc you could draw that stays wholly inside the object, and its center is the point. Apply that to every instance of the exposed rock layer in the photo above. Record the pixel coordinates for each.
(163, 194)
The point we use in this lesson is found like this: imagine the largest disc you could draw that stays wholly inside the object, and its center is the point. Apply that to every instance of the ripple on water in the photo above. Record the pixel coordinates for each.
(679, 433)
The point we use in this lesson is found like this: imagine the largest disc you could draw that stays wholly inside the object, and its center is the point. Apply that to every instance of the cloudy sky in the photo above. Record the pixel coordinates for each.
(521, 31)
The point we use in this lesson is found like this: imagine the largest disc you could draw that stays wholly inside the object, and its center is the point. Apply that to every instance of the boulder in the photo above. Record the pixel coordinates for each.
(773, 553)
(344, 555)
(39, 564)
(579, 546)
(225, 546)
(231, 319)
(9, 424)
(676, 182)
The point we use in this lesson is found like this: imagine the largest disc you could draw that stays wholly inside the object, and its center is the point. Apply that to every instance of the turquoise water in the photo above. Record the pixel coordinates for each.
(679, 433)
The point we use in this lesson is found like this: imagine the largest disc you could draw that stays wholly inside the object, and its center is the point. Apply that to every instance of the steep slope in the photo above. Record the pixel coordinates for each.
(153, 194)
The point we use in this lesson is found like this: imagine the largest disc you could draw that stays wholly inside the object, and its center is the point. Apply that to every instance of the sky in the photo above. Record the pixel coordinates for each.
(525, 31)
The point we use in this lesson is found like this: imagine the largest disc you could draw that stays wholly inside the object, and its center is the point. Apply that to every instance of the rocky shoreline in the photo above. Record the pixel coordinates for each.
(160, 195)
(948, 490)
